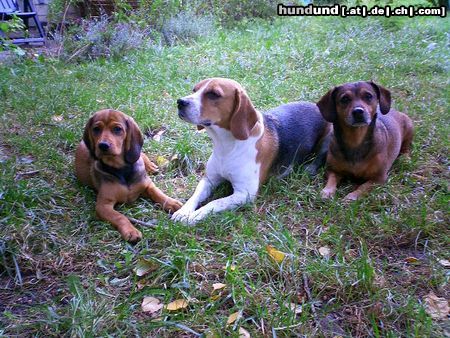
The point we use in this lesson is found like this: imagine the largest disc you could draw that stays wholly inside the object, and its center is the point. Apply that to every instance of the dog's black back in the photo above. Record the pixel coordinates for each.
(301, 129)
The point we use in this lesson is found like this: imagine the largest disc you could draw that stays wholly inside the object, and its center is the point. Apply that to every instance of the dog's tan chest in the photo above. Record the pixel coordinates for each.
(367, 168)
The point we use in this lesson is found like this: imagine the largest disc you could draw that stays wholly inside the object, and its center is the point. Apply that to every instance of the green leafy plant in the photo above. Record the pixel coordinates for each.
(6, 27)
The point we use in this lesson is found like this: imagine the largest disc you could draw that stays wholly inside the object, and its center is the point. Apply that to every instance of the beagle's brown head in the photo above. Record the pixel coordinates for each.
(113, 138)
(355, 104)
(221, 102)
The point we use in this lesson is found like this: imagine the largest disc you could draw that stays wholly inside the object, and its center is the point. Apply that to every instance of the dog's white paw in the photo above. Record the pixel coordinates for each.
(182, 215)
(327, 193)
(351, 197)
(197, 216)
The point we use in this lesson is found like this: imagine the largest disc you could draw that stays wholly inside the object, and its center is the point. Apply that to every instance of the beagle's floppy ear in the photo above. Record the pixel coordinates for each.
(327, 105)
(133, 141)
(244, 116)
(87, 137)
(384, 97)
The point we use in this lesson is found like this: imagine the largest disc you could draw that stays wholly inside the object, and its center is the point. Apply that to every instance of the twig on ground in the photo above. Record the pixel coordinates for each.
(151, 224)
(308, 293)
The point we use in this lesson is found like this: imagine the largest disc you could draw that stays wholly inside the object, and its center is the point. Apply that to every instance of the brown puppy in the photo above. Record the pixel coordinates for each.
(109, 159)
(364, 143)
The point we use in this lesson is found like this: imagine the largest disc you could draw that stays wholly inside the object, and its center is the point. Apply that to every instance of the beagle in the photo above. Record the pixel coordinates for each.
(364, 143)
(109, 159)
(247, 145)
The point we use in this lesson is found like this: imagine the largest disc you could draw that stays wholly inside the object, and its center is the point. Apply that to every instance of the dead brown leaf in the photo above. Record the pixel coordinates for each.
(151, 304)
(436, 307)
(233, 317)
(325, 251)
(243, 333)
(218, 286)
(177, 305)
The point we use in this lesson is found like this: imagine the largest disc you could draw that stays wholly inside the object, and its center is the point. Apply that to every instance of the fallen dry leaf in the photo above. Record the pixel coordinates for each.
(216, 297)
(276, 255)
(232, 267)
(144, 266)
(57, 118)
(157, 136)
(233, 317)
(151, 304)
(218, 286)
(141, 284)
(243, 333)
(177, 305)
(436, 307)
(445, 263)
(325, 251)
(295, 308)
(412, 260)
(161, 161)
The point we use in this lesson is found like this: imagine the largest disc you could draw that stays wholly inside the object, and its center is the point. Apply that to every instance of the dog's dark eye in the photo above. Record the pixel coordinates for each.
(345, 99)
(96, 130)
(117, 130)
(368, 97)
(212, 95)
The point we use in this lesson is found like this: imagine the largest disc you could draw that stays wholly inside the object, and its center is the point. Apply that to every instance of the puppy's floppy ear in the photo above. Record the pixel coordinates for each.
(87, 136)
(327, 105)
(133, 141)
(199, 127)
(244, 116)
(384, 97)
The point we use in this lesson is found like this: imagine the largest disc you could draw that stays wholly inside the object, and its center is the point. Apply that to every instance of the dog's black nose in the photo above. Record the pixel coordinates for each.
(182, 103)
(357, 111)
(358, 115)
(103, 146)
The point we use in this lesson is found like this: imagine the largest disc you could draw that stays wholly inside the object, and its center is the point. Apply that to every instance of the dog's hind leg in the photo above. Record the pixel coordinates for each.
(321, 157)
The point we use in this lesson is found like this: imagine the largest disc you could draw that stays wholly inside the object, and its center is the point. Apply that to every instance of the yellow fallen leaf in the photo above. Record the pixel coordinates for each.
(243, 333)
(276, 255)
(144, 266)
(233, 317)
(161, 161)
(216, 297)
(412, 260)
(436, 307)
(218, 286)
(325, 251)
(151, 304)
(232, 267)
(177, 305)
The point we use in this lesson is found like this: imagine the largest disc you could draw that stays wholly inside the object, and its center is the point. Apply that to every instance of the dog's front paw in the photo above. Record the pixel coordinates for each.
(151, 168)
(197, 216)
(327, 193)
(131, 234)
(182, 215)
(351, 197)
(172, 205)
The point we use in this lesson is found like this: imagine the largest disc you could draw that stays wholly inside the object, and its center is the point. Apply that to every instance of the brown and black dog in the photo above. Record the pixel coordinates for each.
(367, 135)
(109, 159)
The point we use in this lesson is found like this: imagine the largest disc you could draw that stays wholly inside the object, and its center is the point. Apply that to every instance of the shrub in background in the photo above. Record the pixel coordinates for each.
(101, 38)
(187, 26)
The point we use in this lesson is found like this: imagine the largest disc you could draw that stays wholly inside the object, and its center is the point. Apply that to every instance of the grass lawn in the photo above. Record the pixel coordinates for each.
(63, 272)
